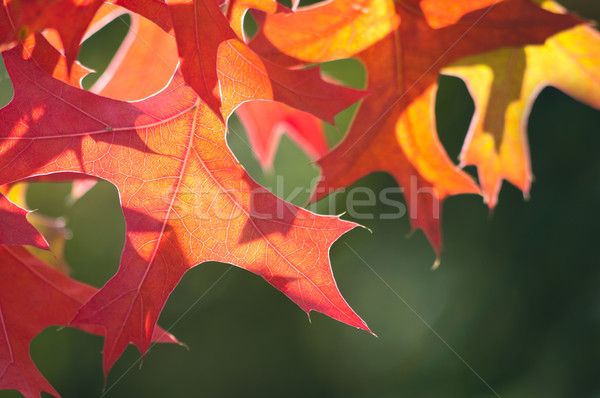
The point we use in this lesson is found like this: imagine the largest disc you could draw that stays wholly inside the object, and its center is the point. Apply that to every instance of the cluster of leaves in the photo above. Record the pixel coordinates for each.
(155, 123)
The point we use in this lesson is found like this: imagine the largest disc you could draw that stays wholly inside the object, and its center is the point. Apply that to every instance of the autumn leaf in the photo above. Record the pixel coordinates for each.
(323, 32)
(37, 48)
(185, 198)
(14, 227)
(148, 57)
(226, 73)
(504, 85)
(143, 64)
(200, 28)
(394, 131)
(236, 10)
(442, 13)
(33, 296)
(240, 74)
(302, 89)
(266, 121)
(19, 19)
(153, 10)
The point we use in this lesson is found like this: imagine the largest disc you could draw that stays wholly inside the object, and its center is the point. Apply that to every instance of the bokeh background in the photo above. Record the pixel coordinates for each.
(514, 305)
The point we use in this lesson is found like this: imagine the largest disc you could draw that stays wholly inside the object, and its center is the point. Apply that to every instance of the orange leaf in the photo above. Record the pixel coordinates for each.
(226, 73)
(244, 76)
(266, 121)
(394, 130)
(70, 18)
(238, 8)
(504, 84)
(37, 48)
(325, 31)
(144, 63)
(185, 198)
(442, 13)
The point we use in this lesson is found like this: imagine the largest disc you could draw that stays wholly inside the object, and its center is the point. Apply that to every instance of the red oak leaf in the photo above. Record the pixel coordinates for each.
(33, 296)
(266, 121)
(237, 9)
(14, 227)
(143, 64)
(394, 130)
(442, 13)
(186, 200)
(504, 85)
(147, 59)
(324, 31)
(200, 28)
(70, 18)
(37, 48)
(154, 10)
(226, 73)
(243, 76)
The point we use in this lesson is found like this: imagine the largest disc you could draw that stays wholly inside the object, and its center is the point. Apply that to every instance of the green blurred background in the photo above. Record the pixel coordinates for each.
(516, 299)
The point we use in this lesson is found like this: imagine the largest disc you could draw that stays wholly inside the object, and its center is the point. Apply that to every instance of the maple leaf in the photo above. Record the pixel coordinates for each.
(19, 19)
(266, 121)
(14, 227)
(394, 131)
(185, 198)
(226, 73)
(505, 83)
(33, 296)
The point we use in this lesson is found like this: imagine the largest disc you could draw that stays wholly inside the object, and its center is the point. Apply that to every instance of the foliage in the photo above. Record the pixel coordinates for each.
(185, 198)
